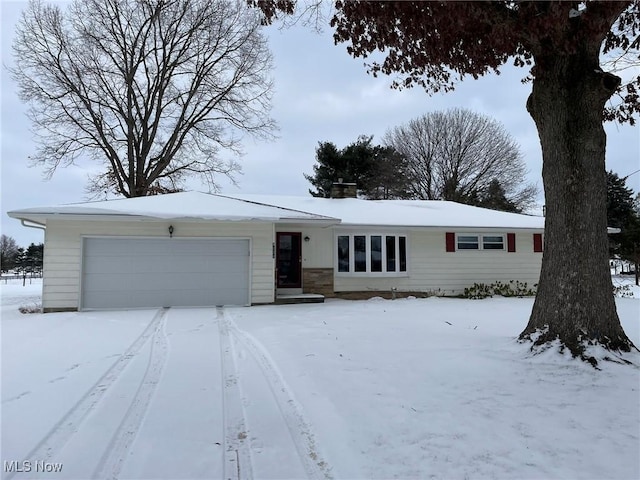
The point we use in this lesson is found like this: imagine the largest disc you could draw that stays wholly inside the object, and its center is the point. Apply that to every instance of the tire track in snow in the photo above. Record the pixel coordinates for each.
(237, 452)
(69, 424)
(292, 413)
(114, 456)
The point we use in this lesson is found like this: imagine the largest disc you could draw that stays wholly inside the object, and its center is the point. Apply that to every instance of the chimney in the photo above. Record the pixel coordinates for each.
(344, 190)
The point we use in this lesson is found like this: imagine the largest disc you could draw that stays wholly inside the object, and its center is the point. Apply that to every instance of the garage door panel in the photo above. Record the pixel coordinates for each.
(123, 282)
(125, 265)
(121, 272)
(204, 282)
(117, 247)
(203, 265)
(223, 248)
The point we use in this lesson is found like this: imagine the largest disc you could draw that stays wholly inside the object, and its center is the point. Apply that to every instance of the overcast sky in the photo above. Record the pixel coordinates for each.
(322, 94)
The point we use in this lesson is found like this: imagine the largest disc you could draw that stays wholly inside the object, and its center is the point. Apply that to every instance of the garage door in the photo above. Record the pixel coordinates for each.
(164, 272)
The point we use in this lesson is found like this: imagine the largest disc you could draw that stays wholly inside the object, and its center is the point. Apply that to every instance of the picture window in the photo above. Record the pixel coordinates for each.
(371, 254)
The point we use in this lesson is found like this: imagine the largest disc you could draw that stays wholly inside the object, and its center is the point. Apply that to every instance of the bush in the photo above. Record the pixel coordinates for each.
(622, 291)
(31, 308)
(514, 288)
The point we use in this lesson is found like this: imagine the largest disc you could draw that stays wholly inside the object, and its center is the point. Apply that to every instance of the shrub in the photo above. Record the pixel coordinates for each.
(622, 291)
(31, 308)
(514, 288)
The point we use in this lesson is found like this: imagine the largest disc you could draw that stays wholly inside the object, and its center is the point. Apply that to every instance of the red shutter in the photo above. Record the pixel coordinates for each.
(451, 242)
(537, 242)
(511, 242)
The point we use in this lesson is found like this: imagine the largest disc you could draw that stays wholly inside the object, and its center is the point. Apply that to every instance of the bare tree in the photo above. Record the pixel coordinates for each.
(8, 253)
(457, 154)
(152, 89)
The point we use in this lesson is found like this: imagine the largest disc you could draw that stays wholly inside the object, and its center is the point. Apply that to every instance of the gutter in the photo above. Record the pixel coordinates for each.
(37, 225)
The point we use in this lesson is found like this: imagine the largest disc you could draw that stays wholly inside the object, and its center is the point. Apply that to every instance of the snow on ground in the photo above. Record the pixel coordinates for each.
(412, 388)
(626, 285)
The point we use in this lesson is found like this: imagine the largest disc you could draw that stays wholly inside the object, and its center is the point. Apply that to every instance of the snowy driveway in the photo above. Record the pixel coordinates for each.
(411, 389)
(170, 405)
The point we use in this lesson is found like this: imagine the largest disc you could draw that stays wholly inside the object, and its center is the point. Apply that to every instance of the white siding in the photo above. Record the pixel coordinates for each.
(318, 251)
(432, 269)
(63, 252)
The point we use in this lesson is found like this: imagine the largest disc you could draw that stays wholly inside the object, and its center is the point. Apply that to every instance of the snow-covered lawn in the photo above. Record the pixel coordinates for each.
(434, 388)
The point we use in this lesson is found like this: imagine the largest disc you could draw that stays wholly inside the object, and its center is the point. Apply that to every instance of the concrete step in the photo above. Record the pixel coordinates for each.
(286, 299)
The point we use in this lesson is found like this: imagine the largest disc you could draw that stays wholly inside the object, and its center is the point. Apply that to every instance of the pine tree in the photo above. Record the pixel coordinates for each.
(495, 199)
(622, 214)
(378, 171)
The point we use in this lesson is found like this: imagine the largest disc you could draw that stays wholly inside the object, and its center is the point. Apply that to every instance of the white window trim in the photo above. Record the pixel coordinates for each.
(368, 272)
(481, 242)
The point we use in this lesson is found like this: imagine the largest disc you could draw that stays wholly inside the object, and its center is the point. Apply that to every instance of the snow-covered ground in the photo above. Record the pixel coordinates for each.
(434, 388)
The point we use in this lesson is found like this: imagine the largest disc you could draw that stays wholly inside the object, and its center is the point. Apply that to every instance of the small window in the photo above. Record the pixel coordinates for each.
(376, 253)
(492, 242)
(391, 253)
(360, 253)
(468, 242)
(343, 253)
(403, 253)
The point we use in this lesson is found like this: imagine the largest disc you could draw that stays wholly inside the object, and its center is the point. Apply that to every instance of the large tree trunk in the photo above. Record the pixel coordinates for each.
(575, 302)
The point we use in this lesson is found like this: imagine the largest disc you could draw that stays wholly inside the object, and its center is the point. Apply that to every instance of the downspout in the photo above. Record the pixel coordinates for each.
(39, 226)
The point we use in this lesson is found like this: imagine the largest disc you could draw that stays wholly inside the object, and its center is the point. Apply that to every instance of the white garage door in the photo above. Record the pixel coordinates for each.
(164, 272)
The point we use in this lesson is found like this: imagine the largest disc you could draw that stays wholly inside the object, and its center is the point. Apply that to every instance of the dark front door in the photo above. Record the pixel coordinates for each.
(288, 260)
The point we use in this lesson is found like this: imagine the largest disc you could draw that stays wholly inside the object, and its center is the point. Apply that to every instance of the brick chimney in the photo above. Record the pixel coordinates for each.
(344, 190)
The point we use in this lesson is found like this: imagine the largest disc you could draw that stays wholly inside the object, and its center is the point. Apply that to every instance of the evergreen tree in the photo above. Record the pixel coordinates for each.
(619, 201)
(329, 168)
(622, 214)
(379, 172)
(495, 199)
(33, 258)
(21, 264)
(389, 176)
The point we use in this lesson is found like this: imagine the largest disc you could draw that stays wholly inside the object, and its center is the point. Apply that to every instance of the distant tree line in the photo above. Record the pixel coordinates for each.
(20, 260)
(455, 155)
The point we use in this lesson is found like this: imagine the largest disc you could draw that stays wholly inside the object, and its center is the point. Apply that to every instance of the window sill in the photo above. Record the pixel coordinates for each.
(372, 274)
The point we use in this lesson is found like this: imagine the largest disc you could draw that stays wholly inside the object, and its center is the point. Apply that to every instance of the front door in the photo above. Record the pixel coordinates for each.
(289, 260)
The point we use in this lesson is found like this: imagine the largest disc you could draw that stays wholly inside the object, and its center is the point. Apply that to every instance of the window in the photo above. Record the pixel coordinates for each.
(376, 253)
(360, 253)
(391, 253)
(467, 241)
(492, 242)
(372, 254)
(343, 253)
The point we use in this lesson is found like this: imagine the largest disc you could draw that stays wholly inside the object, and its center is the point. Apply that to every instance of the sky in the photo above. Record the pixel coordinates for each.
(321, 94)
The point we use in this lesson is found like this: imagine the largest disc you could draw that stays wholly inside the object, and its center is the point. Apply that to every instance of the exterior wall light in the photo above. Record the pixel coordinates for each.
(306, 239)
(170, 231)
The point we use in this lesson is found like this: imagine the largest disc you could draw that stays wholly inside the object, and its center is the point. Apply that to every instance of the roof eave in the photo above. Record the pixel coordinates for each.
(43, 217)
(439, 227)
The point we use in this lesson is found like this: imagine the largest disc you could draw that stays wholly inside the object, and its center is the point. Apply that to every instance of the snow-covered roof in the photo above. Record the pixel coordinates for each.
(182, 205)
(397, 213)
(288, 209)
